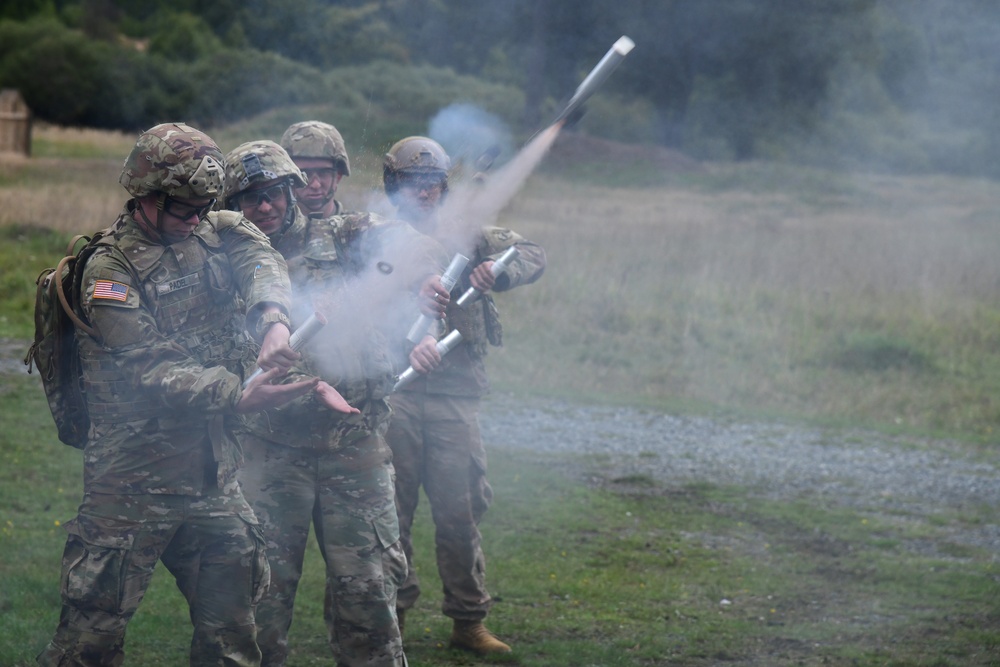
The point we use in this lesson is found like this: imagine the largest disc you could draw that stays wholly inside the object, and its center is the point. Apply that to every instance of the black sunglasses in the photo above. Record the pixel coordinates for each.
(183, 211)
(255, 198)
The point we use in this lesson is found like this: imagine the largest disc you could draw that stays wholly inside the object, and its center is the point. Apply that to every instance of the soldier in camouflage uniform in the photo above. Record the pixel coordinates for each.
(170, 294)
(434, 431)
(318, 150)
(309, 466)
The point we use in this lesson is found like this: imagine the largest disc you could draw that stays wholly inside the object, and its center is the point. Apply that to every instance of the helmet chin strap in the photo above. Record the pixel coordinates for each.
(289, 213)
(155, 230)
(330, 194)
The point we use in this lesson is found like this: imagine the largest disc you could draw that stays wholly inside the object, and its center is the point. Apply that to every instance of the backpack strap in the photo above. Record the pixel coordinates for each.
(64, 302)
(71, 246)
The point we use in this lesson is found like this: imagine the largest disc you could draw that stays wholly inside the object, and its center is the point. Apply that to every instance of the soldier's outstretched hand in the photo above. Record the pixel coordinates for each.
(332, 399)
(260, 394)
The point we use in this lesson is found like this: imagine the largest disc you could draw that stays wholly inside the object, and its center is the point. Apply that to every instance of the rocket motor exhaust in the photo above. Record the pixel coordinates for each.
(598, 75)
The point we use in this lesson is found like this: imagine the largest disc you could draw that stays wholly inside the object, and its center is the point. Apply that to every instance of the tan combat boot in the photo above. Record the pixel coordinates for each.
(473, 636)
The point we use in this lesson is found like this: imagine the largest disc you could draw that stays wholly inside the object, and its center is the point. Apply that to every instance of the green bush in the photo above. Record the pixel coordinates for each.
(184, 37)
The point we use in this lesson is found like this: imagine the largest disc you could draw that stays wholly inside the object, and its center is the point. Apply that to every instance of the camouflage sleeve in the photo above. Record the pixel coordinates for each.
(259, 269)
(526, 269)
(156, 366)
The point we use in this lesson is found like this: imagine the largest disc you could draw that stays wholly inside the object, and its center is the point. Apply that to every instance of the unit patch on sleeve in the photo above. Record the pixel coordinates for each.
(109, 289)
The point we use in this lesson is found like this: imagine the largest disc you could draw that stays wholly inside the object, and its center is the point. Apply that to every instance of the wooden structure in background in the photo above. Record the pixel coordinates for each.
(15, 123)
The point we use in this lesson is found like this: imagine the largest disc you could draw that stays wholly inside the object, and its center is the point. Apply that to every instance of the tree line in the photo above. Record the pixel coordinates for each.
(904, 85)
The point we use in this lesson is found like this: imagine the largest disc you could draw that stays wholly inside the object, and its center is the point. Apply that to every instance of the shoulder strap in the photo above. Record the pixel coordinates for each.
(64, 302)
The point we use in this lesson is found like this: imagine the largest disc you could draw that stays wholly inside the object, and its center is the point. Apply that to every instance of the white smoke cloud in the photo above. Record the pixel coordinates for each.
(467, 132)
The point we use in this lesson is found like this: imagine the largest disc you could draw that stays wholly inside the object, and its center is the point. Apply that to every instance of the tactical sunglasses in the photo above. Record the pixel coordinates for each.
(255, 198)
(321, 173)
(183, 211)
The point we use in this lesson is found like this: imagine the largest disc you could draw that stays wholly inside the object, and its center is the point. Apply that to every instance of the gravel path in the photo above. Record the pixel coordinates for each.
(867, 471)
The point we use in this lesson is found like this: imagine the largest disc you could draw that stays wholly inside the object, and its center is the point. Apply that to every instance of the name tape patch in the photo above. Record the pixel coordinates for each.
(179, 283)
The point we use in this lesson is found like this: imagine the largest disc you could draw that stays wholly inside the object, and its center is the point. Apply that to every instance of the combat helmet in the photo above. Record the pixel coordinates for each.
(261, 161)
(414, 156)
(174, 159)
(256, 161)
(318, 140)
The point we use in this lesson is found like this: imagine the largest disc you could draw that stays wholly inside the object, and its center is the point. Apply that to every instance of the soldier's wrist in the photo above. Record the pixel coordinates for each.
(269, 319)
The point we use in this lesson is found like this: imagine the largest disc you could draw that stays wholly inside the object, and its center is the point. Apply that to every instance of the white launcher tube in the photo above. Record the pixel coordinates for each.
(444, 346)
(448, 279)
(298, 339)
(499, 266)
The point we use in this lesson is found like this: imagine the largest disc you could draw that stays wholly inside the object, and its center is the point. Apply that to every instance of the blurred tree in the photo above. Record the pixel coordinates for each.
(183, 36)
(99, 19)
(725, 78)
(356, 35)
(22, 10)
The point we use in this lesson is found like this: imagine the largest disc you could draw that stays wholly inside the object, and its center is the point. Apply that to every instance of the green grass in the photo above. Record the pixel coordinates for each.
(30, 250)
(630, 573)
(754, 289)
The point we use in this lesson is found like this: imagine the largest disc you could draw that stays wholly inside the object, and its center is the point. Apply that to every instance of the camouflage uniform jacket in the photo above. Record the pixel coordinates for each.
(462, 371)
(167, 368)
(350, 267)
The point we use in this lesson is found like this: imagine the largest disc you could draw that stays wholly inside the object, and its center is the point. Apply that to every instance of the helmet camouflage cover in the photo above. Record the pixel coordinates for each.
(175, 159)
(317, 140)
(411, 156)
(259, 161)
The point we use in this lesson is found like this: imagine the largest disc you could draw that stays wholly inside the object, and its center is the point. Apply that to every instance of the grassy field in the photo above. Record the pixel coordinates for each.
(748, 289)
(754, 288)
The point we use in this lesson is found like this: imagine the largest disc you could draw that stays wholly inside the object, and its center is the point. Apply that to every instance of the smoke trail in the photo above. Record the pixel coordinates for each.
(466, 132)
(471, 205)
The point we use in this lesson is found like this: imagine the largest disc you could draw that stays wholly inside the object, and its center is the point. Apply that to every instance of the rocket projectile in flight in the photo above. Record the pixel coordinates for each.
(598, 75)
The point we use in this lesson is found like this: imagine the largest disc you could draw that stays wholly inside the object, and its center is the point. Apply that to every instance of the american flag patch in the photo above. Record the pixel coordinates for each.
(109, 289)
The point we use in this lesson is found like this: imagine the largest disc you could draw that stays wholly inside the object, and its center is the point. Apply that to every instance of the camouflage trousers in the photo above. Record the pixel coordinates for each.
(211, 544)
(436, 443)
(347, 495)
